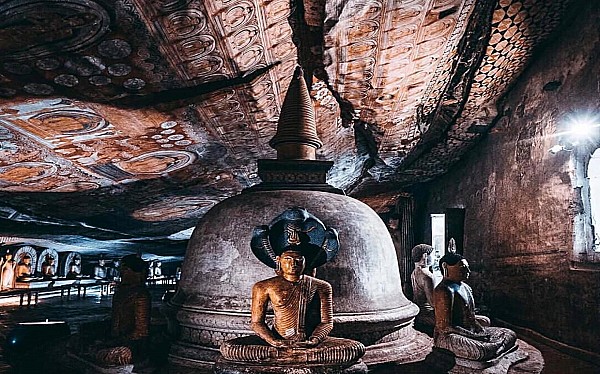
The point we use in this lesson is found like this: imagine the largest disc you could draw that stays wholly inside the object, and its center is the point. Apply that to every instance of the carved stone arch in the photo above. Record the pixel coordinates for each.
(26, 250)
(66, 261)
(48, 251)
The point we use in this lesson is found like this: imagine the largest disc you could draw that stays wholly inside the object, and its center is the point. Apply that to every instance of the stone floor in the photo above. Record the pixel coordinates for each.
(96, 307)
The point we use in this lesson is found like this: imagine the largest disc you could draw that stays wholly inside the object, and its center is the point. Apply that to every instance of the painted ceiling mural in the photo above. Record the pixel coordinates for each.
(134, 117)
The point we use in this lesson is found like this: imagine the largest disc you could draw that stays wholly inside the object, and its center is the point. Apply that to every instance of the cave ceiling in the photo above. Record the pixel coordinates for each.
(123, 122)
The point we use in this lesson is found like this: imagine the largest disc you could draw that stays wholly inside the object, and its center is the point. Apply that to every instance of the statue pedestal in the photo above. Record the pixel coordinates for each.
(523, 358)
(223, 366)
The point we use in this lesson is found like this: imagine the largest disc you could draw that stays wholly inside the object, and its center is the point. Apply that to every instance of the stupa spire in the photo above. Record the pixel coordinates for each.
(296, 137)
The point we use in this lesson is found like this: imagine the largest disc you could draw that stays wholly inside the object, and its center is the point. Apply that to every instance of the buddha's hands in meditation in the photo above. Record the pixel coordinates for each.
(281, 343)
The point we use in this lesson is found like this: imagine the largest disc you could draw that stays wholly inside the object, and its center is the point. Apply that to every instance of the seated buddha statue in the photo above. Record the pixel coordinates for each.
(48, 267)
(423, 283)
(302, 306)
(100, 269)
(457, 328)
(74, 269)
(23, 270)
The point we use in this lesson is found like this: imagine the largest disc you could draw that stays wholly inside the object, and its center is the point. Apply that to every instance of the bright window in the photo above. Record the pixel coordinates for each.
(438, 237)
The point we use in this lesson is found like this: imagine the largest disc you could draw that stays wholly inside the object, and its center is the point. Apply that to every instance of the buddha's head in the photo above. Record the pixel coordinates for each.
(455, 267)
(101, 262)
(291, 262)
(133, 270)
(421, 254)
(27, 259)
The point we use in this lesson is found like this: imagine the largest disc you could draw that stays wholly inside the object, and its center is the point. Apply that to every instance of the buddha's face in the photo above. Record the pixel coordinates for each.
(458, 272)
(27, 260)
(292, 262)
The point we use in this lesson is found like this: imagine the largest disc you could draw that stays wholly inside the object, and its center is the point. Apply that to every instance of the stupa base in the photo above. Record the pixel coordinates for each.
(223, 366)
(523, 358)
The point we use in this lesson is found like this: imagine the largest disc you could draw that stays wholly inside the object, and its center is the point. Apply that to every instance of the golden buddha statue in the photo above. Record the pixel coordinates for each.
(302, 304)
(23, 270)
(457, 328)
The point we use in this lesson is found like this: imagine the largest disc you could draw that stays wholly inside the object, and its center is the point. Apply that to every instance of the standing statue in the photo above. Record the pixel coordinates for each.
(8, 272)
(295, 244)
(24, 268)
(457, 328)
(423, 283)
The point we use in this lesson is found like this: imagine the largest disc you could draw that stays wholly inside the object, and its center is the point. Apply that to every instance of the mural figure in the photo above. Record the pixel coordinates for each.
(8, 272)
(457, 328)
(294, 244)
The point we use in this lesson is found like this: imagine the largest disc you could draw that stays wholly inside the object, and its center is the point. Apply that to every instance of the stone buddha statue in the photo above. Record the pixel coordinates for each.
(24, 268)
(74, 268)
(131, 306)
(457, 328)
(48, 269)
(423, 283)
(100, 269)
(302, 304)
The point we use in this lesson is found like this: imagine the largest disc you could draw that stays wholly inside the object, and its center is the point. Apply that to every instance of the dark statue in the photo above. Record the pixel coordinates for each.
(423, 283)
(457, 328)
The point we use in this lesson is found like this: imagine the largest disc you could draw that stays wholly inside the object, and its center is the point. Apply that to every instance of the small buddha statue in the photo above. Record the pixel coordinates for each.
(48, 267)
(74, 269)
(24, 269)
(423, 283)
(8, 272)
(157, 269)
(302, 305)
(131, 306)
(151, 270)
(100, 269)
(112, 272)
(457, 328)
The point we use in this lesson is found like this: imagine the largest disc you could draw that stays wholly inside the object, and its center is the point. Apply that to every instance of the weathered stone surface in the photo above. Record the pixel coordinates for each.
(214, 297)
(225, 367)
(519, 199)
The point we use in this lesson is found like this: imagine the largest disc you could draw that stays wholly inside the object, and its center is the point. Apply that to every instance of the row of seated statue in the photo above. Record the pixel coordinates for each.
(447, 308)
(23, 271)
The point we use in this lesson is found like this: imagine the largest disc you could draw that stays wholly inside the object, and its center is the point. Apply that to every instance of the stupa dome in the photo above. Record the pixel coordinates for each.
(214, 296)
